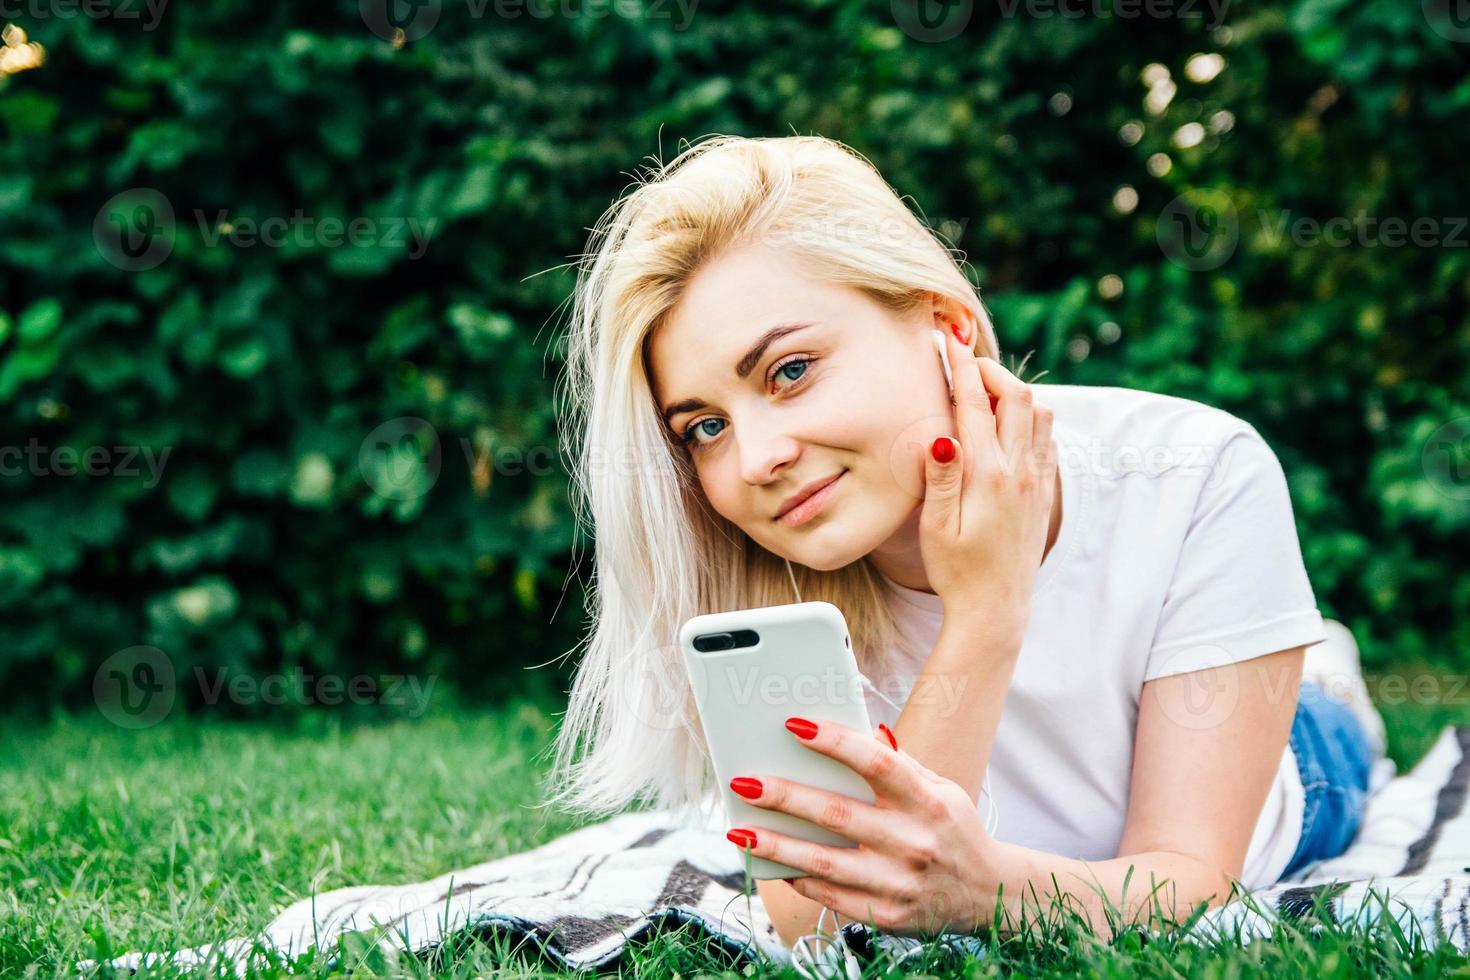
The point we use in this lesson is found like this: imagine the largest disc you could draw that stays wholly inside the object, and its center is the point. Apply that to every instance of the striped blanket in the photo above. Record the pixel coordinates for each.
(581, 898)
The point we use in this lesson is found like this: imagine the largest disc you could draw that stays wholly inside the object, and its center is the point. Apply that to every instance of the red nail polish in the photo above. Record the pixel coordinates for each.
(746, 786)
(789, 881)
(958, 333)
(801, 728)
(943, 449)
(993, 400)
(741, 837)
(892, 740)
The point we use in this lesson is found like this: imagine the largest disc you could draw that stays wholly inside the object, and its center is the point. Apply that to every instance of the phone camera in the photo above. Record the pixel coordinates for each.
(707, 642)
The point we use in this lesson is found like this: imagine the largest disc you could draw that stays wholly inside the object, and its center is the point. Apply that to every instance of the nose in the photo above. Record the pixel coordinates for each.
(764, 449)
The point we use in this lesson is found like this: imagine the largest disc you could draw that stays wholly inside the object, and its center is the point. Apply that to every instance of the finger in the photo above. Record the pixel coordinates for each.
(851, 866)
(851, 903)
(886, 733)
(893, 775)
(973, 417)
(970, 351)
(944, 479)
(1013, 411)
(857, 820)
(1043, 449)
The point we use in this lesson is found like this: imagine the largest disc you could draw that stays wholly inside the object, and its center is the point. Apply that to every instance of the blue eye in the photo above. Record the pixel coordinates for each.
(800, 363)
(689, 432)
(689, 437)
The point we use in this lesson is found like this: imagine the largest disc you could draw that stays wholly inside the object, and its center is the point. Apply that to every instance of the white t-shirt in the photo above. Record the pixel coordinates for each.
(1177, 550)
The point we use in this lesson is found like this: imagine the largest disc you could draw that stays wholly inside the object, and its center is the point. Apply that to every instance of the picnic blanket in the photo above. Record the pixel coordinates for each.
(581, 898)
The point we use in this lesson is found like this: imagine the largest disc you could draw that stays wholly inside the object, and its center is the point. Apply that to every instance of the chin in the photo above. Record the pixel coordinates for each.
(827, 559)
(836, 543)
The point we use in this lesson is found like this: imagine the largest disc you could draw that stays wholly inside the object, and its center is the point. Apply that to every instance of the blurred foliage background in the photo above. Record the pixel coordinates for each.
(1134, 195)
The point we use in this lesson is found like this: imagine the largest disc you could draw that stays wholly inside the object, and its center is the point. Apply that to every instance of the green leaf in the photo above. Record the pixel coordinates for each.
(39, 321)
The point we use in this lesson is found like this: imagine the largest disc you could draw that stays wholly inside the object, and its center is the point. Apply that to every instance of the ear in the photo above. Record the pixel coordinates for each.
(946, 311)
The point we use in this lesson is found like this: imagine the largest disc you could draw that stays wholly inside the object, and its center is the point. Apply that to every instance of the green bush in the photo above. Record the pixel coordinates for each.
(281, 526)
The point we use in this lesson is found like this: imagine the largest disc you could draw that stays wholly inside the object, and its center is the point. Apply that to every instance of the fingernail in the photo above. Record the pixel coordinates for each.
(943, 449)
(892, 740)
(993, 400)
(958, 333)
(801, 728)
(789, 881)
(746, 787)
(741, 837)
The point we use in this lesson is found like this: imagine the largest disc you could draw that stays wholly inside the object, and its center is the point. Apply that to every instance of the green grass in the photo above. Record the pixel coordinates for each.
(196, 830)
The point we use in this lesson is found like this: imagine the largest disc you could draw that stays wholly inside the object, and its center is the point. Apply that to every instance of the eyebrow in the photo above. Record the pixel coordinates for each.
(743, 367)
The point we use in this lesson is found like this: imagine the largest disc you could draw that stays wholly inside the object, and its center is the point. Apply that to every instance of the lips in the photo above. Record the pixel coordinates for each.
(804, 495)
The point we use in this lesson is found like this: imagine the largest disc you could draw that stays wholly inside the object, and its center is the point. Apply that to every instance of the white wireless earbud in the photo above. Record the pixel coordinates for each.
(943, 349)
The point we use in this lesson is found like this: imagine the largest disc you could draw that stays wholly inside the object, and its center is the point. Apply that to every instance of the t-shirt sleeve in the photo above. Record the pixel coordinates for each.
(1240, 588)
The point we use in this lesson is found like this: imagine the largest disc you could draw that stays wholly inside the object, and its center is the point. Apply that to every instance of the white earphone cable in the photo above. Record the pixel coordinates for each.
(792, 575)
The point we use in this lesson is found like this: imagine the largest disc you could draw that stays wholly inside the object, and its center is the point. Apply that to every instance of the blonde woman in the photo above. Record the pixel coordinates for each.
(1094, 595)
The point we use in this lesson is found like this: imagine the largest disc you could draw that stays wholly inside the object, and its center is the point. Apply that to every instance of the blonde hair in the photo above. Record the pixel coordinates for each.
(662, 555)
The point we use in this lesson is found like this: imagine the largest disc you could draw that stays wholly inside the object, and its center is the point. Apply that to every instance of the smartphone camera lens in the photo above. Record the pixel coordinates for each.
(707, 642)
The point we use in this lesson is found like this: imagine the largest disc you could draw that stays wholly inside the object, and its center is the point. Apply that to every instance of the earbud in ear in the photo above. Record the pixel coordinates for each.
(943, 348)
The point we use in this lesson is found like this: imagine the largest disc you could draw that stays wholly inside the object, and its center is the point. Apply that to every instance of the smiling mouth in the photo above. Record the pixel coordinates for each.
(812, 505)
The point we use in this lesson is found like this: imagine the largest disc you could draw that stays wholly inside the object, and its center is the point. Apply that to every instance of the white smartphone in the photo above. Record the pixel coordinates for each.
(751, 669)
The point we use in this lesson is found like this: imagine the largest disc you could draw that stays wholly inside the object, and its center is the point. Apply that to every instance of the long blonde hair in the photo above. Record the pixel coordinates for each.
(631, 730)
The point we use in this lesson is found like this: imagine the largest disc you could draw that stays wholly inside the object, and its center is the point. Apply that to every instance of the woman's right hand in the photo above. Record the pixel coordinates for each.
(987, 510)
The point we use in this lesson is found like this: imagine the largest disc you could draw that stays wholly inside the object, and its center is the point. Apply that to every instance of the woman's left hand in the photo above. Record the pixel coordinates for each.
(920, 859)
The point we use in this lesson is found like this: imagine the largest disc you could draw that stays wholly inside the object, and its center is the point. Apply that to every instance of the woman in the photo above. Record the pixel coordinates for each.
(1094, 594)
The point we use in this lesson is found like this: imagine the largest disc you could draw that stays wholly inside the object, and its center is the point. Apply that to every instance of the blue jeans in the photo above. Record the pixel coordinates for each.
(1334, 757)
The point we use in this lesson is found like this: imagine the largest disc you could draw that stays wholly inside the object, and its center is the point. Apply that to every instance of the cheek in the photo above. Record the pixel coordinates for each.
(722, 488)
(895, 442)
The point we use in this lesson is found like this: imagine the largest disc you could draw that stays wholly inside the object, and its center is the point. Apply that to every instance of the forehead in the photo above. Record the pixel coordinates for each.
(726, 306)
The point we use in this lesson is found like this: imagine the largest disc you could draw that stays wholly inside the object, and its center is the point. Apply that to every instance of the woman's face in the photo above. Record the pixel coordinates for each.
(857, 394)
